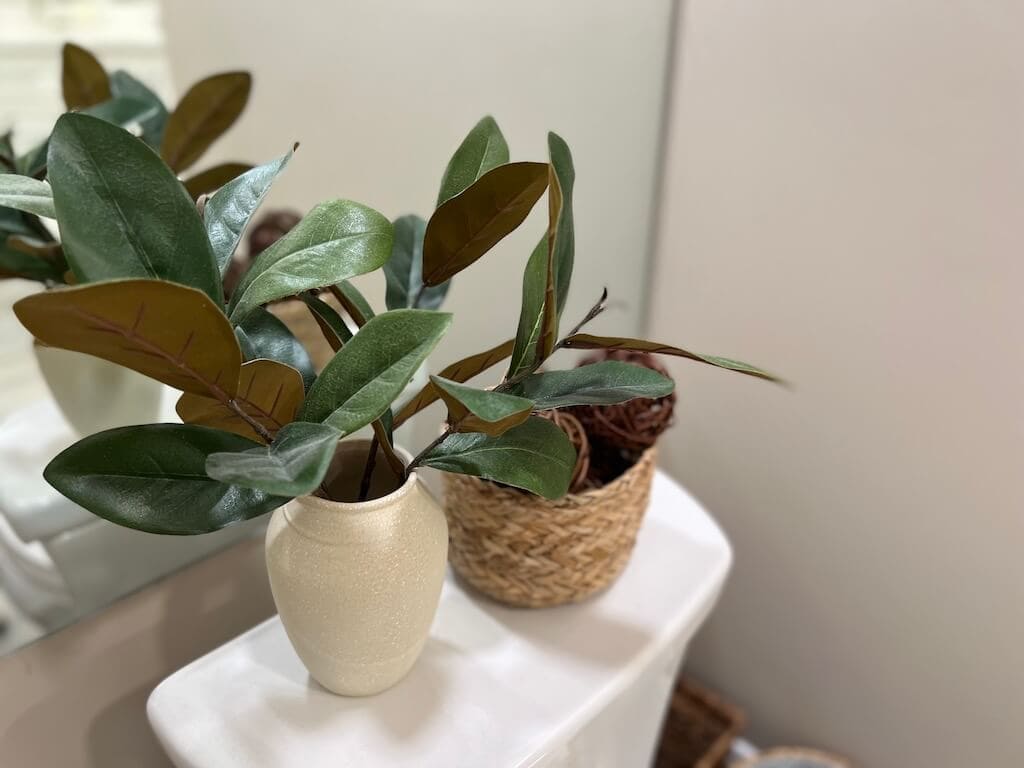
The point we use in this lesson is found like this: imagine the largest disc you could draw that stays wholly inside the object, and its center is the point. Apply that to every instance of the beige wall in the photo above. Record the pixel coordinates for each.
(380, 92)
(843, 203)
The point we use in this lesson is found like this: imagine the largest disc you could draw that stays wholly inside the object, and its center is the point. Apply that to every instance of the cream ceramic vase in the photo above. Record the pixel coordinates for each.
(357, 583)
(94, 394)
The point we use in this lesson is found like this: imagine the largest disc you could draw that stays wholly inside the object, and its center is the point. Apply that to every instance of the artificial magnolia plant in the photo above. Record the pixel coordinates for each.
(258, 432)
(211, 106)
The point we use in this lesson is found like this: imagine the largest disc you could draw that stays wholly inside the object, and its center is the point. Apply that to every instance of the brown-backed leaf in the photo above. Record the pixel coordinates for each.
(480, 410)
(83, 78)
(209, 108)
(460, 371)
(167, 331)
(268, 391)
(214, 178)
(51, 252)
(589, 341)
(464, 228)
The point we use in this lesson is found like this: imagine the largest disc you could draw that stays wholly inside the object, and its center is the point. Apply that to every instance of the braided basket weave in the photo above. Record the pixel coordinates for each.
(526, 551)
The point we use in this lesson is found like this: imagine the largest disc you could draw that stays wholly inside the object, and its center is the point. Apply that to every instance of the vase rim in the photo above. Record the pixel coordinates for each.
(319, 504)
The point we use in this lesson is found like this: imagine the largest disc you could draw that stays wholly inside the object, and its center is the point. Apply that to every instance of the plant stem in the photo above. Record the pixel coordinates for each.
(433, 444)
(371, 462)
(419, 295)
(258, 428)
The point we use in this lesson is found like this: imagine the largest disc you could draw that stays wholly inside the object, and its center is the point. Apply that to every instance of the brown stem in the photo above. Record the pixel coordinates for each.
(258, 428)
(433, 444)
(371, 462)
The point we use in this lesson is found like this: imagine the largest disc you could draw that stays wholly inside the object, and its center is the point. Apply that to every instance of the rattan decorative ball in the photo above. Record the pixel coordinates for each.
(633, 426)
(578, 437)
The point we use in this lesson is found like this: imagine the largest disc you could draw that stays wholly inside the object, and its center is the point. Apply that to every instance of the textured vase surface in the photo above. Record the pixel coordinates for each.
(357, 583)
(95, 395)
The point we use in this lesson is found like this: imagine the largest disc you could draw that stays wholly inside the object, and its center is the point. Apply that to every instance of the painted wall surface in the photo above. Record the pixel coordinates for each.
(843, 204)
(381, 93)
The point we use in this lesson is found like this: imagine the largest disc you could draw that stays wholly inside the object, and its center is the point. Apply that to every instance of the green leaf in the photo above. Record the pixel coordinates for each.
(483, 148)
(83, 79)
(564, 245)
(293, 465)
(263, 335)
(124, 85)
(474, 221)
(460, 371)
(367, 374)
(17, 263)
(353, 302)
(205, 112)
(589, 341)
(228, 212)
(535, 456)
(531, 312)
(153, 478)
(213, 178)
(604, 383)
(24, 193)
(404, 270)
(335, 241)
(119, 111)
(480, 410)
(122, 213)
(331, 323)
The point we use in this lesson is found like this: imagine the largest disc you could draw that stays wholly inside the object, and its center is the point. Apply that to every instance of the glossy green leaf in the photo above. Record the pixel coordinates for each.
(124, 85)
(83, 79)
(535, 456)
(205, 112)
(588, 341)
(531, 311)
(367, 374)
(231, 208)
(483, 148)
(604, 383)
(327, 318)
(404, 270)
(120, 111)
(335, 241)
(153, 478)
(563, 248)
(122, 213)
(481, 410)
(213, 178)
(263, 335)
(24, 193)
(460, 371)
(464, 228)
(295, 464)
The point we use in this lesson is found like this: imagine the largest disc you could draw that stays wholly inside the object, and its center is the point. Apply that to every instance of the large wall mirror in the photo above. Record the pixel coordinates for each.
(378, 94)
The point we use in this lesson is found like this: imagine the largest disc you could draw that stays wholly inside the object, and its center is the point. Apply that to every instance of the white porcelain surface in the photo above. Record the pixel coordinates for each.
(94, 394)
(580, 685)
(357, 585)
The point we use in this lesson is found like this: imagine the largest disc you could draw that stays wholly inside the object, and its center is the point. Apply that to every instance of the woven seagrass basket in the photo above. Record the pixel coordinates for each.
(526, 551)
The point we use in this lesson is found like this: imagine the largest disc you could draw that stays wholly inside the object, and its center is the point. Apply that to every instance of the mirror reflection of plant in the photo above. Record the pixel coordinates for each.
(260, 428)
(181, 136)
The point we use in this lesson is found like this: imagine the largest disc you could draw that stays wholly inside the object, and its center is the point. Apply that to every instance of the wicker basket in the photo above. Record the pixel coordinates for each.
(699, 728)
(526, 551)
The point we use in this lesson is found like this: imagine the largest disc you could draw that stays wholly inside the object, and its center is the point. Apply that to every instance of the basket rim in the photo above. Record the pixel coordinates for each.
(583, 498)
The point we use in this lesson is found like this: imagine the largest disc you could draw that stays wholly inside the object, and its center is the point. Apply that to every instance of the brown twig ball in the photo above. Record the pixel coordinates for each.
(578, 437)
(633, 426)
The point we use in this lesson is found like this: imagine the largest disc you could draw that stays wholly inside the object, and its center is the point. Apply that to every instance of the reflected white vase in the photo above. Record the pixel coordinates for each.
(94, 395)
(357, 584)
